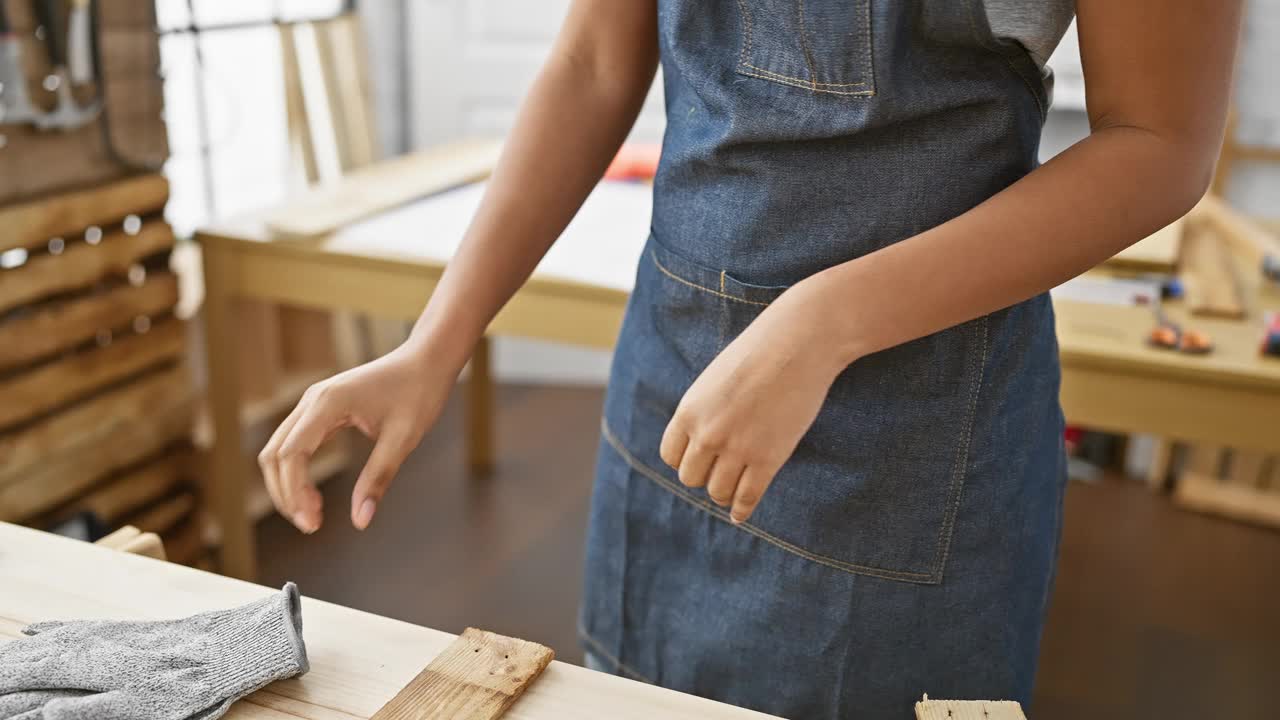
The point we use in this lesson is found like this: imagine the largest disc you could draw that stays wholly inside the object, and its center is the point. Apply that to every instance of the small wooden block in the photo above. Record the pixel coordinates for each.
(968, 710)
(1156, 253)
(121, 537)
(477, 677)
(147, 545)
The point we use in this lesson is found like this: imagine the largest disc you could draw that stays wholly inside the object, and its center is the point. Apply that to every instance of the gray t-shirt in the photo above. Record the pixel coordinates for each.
(1038, 25)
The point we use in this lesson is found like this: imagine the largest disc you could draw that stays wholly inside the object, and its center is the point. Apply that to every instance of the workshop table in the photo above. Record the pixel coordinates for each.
(359, 661)
(389, 264)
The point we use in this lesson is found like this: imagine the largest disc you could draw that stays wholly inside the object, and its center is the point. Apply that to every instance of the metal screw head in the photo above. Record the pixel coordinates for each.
(57, 245)
(51, 82)
(132, 225)
(137, 275)
(93, 235)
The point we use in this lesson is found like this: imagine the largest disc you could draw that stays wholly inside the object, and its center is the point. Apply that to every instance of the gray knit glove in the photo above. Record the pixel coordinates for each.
(195, 667)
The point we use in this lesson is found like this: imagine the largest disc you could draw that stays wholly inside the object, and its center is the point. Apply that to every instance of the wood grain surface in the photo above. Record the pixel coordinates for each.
(31, 224)
(61, 324)
(477, 677)
(968, 710)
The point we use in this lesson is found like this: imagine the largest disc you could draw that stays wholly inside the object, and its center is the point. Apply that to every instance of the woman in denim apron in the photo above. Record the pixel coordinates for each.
(831, 469)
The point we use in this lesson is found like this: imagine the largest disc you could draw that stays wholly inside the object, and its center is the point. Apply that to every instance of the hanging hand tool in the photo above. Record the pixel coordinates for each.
(68, 115)
(80, 43)
(15, 103)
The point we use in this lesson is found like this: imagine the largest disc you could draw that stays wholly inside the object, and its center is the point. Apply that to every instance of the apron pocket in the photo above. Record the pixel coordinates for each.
(874, 486)
(823, 46)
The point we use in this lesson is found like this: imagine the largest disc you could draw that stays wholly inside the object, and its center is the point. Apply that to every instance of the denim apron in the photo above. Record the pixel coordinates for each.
(908, 546)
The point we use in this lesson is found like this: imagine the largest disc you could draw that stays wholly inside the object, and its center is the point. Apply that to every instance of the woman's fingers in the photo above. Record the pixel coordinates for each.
(269, 463)
(695, 463)
(389, 452)
(723, 480)
(750, 489)
(674, 442)
(318, 420)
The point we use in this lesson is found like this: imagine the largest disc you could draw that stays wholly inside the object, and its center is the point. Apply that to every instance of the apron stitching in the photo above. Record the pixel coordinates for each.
(599, 650)
(962, 460)
(804, 46)
(807, 86)
(670, 486)
(746, 41)
(713, 291)
(807, 83)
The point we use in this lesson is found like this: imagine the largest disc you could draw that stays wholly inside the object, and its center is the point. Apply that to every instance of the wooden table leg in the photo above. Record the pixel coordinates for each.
(480, 410)
(226, 486)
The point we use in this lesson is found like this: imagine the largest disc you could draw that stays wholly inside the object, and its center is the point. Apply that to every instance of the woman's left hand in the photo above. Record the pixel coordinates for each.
(744, 415)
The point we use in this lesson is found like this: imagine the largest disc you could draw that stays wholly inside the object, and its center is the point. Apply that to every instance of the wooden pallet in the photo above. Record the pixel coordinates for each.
(98, 400)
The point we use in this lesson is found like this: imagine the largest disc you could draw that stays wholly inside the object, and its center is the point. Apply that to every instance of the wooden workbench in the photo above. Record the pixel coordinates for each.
(388, 266)
(359, 661)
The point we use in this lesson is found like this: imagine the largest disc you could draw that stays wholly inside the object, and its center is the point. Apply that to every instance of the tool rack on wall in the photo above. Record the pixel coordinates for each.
(96, 401)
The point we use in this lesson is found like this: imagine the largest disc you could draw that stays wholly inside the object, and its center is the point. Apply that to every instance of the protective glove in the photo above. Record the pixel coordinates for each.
(166, 670)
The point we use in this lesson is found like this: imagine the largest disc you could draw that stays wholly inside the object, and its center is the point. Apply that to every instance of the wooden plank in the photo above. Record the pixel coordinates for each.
(1248, 238)
(968, 710)
(382, 186)
(165, 515)
(31, 224)
(477, 677)
(87, 422)
(1239, 502)
(147, 545)
(125, 493)
(119, 538)
(300, 145)
(60, 478)
(81, 264)
(52, 385)
(51, 327)
(1208, 276)
(1155, 253)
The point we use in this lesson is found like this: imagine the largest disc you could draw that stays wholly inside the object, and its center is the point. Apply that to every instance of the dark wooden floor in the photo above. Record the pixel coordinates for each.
(1157, 613)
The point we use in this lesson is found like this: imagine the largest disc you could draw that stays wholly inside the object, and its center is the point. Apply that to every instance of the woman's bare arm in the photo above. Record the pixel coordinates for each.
(572, 122)
(577, 113)
(1158, 79)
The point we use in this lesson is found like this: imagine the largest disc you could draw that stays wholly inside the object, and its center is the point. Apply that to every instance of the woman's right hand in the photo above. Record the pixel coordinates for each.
(393, 400)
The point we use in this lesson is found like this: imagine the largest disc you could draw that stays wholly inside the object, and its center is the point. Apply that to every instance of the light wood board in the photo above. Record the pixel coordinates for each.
(368, 191)
(49, 386)
(31, 224)
(62, 324)
(1208, 277)
(49, 577)
(1156, 253)
(84, 423)
(60, 478)
(81, 264)
(477, 677)
(125, 493)
(968, 710)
